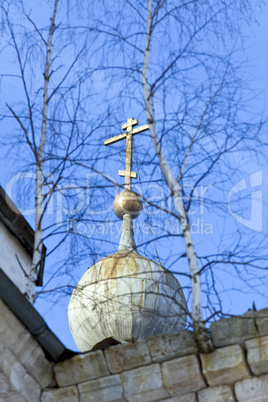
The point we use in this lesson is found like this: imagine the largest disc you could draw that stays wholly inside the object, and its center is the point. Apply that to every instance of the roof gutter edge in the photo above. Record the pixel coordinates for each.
(29, 316)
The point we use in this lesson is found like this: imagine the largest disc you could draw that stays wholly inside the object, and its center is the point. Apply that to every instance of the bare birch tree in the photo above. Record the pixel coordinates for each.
(176, 64)
(174, 186)
(47, 115)
(37, 253)
(204, 33)
(36, 147)
(173, 183)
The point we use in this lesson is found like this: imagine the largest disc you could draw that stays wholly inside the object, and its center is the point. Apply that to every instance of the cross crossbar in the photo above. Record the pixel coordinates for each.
(122, 136)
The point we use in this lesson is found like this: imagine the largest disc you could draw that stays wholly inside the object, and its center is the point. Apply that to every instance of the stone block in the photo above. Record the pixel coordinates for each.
(129, 356)
(33, 359)
(258, 355)
(5, 386)
(79, 368)
(234, 330)
(143, 384)
(182, 398)
(13, 331)
(66, 394)
(224, 366)
(12, 397)
(28, 351)
(106, 389)
(262, 321)
(166, 347)
(19, 379)
(252, 390)
(222, 393)
(183, 375)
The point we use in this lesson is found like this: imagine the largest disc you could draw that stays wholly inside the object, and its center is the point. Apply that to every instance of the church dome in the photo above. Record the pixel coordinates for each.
(125, 296)
(128, 297)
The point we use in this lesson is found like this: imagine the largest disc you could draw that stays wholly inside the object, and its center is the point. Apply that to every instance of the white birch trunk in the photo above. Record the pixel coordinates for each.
(173, 184)
(38, 244)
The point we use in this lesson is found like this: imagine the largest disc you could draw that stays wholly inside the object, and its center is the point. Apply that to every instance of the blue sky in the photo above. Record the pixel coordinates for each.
(235, 301)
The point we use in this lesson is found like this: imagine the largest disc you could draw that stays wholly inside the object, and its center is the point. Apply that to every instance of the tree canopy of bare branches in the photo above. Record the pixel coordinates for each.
(176, 64)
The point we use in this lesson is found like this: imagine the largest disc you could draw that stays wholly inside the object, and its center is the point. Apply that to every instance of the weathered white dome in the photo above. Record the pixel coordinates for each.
(125, 296)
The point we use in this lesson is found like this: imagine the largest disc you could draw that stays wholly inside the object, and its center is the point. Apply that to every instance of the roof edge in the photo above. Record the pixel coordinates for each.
(32, 320)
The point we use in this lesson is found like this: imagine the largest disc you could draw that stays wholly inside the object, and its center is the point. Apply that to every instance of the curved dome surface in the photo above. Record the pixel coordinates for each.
(125, 296)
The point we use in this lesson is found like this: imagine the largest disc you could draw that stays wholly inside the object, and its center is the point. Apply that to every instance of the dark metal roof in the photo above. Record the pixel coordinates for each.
(20, 228)
(32, 320)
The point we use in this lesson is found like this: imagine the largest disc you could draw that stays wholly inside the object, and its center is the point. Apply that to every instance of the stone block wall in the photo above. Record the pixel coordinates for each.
(162, 368)
(170, 368)
(24, 369)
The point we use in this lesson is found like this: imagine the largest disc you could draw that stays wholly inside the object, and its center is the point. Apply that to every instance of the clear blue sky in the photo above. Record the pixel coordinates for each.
(257, 53)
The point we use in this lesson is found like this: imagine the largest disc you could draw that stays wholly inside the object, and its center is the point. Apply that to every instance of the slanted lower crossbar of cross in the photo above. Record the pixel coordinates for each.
(127, 173)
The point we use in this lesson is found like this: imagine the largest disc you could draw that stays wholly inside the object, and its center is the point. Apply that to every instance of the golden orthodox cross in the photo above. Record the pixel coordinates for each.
(127, 173)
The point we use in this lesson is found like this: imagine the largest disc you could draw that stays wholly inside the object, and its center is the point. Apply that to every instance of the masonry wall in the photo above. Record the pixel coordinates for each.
(24, 369)
(162, 368)
(170, 368)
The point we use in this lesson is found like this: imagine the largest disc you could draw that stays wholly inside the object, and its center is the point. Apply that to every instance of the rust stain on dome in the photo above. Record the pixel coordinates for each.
(126, 296)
